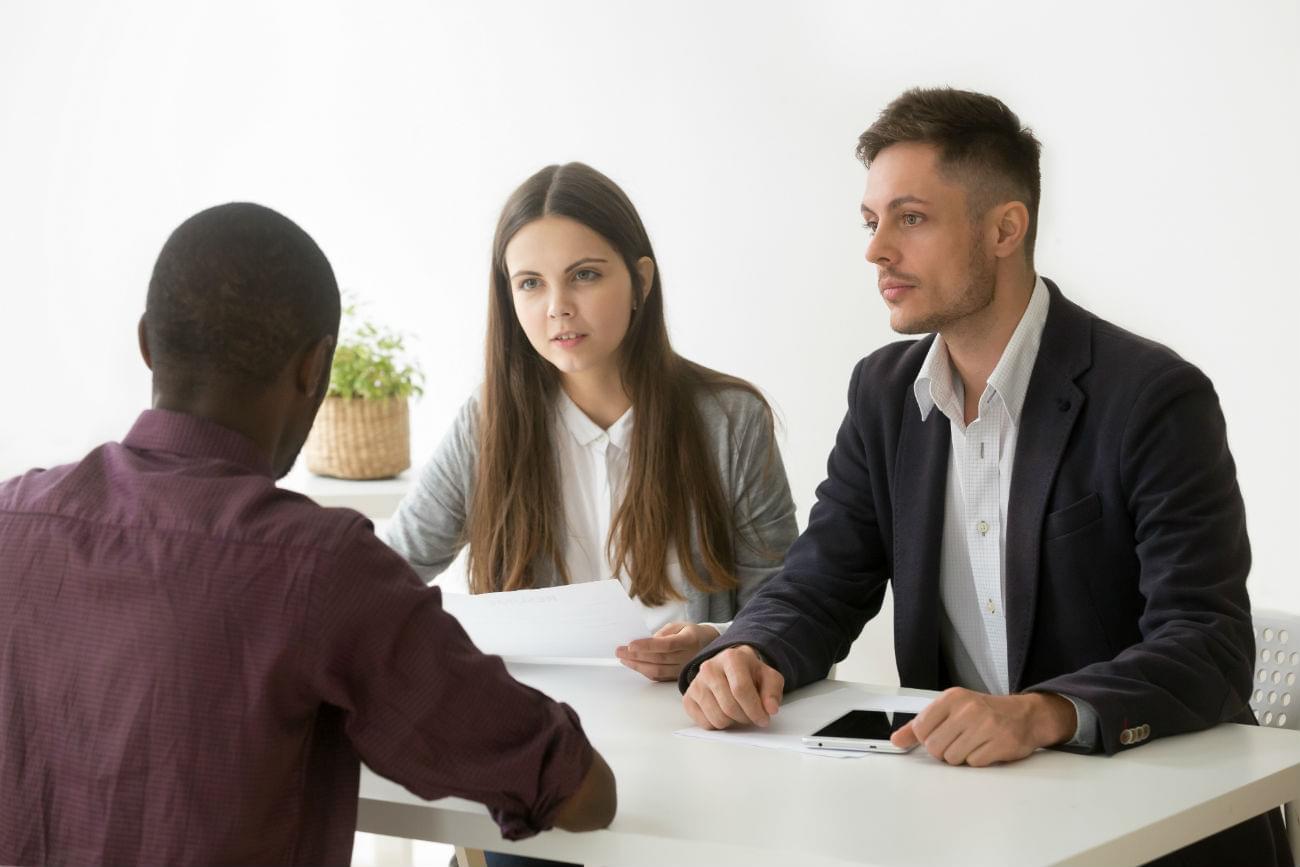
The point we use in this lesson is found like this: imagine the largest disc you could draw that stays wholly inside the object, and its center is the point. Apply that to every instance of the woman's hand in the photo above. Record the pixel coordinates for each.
(662, 656)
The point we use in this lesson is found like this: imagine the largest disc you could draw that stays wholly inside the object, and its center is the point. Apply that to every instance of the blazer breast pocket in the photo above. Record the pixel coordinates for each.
(1073, 517)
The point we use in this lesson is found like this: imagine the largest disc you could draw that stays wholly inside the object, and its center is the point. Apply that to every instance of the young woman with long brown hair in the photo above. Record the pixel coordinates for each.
(593, 450)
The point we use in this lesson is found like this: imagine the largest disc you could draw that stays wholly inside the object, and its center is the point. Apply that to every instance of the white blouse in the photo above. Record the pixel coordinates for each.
(593, 466)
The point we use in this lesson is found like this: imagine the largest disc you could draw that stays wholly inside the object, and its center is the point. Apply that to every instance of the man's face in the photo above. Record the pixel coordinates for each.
(931, 267)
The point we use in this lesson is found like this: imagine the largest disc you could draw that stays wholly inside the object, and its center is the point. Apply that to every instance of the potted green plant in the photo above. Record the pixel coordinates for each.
(363, 429)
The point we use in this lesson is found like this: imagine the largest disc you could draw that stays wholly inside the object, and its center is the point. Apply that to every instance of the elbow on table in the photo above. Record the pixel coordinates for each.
(593, 805)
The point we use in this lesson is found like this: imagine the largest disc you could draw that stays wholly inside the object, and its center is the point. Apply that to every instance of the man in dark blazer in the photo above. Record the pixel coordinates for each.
(1052, 497)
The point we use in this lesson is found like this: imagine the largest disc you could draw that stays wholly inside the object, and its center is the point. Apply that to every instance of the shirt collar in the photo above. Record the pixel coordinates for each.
(935, 384)
(163, 430)
(585, 431)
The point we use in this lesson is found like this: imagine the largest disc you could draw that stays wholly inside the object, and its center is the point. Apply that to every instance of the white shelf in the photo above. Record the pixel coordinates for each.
(377, 500)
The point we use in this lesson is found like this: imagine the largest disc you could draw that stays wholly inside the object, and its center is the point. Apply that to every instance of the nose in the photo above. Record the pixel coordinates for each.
(880, 249)
(558, 303)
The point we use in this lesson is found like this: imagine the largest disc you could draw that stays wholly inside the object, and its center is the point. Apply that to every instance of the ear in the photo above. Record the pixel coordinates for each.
(645, 272)
(143, 337)
(1010, 224)
(314, 369)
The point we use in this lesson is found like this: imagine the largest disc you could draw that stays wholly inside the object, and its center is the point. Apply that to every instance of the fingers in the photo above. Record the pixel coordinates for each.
(694, 711)
(746, 689)
(670, 629)
(966, 742)
(673, 643)
(702, 706)
(905, 738)
(988, 754)
(966, 727)
(734, 688)
(771, 686)
(720, 688)
(652, 648)
(938, 741)
(653, 670)
(933, 714)
(746, 692)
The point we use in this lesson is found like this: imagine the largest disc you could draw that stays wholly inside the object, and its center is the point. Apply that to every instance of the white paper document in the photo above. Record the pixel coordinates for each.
(577, 623)
(800, 718)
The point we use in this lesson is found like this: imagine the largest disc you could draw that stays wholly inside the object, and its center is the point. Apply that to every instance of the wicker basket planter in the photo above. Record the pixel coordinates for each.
(360, 438)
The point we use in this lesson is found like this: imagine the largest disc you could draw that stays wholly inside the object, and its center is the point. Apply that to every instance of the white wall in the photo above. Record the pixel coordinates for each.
(393, 135)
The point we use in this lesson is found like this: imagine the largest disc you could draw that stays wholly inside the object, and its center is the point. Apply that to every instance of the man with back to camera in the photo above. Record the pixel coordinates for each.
(1052, 497)
(193, 661)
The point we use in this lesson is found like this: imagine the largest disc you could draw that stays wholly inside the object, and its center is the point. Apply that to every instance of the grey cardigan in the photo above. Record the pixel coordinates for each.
(428, 528)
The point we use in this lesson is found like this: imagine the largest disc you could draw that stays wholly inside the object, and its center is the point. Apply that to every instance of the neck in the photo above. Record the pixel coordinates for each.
(252, 415)
(598, 393)
(976, 342)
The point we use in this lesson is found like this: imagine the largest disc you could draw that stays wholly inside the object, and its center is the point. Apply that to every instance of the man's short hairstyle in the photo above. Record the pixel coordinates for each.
(237, 290)
(982, 145)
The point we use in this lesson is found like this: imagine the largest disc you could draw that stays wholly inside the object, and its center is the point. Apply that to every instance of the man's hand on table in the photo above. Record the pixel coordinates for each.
(972, 728)
(734, 688)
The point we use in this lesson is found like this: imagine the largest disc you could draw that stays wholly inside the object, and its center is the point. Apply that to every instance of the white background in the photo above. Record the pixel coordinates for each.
(393, 133)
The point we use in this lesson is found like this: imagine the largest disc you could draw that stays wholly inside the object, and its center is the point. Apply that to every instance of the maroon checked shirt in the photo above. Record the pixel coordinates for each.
(193, 664)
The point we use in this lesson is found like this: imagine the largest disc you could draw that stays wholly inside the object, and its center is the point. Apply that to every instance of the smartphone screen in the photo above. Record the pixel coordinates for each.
(873, 725)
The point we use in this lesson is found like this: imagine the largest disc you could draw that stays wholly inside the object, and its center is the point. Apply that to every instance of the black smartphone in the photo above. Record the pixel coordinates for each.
(865, 730)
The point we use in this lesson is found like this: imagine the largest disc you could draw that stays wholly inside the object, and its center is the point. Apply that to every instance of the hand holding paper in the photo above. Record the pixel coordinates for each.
(574, 623)
(662, 656)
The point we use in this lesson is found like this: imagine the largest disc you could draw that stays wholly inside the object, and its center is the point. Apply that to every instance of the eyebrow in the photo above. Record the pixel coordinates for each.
(576, 265)
(897, 203)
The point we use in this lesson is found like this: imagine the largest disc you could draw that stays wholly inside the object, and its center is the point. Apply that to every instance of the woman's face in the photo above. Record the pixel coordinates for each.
(572, 294)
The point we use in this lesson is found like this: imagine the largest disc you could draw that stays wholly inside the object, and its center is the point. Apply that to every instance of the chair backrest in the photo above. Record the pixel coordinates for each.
(1276, 694)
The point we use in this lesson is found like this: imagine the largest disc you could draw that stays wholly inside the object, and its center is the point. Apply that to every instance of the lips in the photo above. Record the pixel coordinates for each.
(568, 339)
(892, 290)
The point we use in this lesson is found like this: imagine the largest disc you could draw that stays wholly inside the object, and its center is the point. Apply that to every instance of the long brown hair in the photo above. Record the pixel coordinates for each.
(674, 491)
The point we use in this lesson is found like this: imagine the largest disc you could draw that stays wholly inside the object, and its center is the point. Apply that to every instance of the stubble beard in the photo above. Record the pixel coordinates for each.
(975, 296)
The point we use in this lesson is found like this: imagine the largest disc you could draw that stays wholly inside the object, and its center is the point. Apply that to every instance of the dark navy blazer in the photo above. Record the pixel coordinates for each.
(1126, 557)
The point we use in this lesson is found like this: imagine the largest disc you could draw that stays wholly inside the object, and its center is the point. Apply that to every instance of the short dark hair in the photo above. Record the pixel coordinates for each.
(981, 144)
(236, 291)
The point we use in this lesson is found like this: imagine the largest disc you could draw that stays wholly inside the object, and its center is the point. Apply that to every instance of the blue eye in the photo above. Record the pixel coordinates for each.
(585, 275)
(528, 283)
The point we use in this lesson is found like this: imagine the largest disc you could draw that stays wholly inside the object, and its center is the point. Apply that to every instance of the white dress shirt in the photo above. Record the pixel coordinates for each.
(593, 465)
(973, 556)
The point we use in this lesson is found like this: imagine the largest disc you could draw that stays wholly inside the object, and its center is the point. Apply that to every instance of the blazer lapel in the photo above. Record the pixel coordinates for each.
(1052, 406)
(920, 476)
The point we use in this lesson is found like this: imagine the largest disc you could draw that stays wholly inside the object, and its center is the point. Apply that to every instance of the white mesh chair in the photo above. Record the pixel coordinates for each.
(1276, 695)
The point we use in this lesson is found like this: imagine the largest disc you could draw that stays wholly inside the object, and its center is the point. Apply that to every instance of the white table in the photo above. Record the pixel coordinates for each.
(687, 801)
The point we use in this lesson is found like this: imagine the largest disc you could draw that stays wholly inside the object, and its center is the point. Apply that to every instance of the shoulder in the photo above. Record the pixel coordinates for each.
(181, 497)
(1120, 352)
(467, 417)
(292, 519)
(893, 367)
(23, 491)
(461, 438)
(1078, 342)
(882, 382)
(730, 405)
(1123, 365)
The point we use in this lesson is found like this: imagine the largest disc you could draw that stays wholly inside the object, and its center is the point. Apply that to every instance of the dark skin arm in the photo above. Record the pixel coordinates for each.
(593, 805)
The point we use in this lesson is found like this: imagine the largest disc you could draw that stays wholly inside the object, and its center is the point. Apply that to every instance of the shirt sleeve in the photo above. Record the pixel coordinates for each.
(1085, 729)
(428, 526)
(764, 510)
(424, 707)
